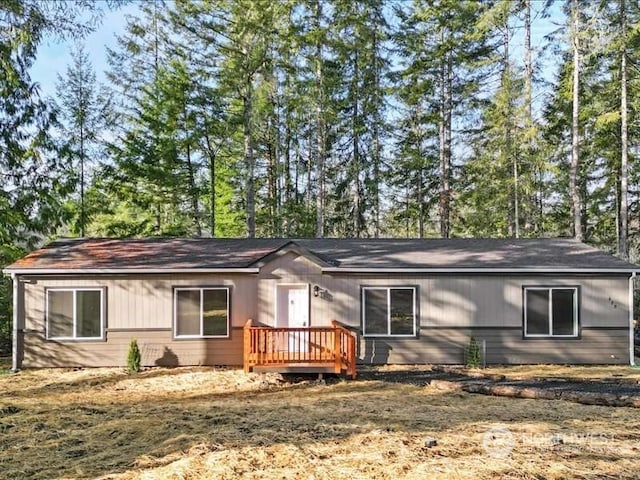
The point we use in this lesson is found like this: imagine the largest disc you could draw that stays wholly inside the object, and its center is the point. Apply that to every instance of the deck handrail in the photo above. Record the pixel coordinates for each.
(266, 346)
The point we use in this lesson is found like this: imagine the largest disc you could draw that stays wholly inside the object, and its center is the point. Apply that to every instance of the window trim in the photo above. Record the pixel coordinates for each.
(201, 290)
(74, 290)
(576, 311)
(388, 288)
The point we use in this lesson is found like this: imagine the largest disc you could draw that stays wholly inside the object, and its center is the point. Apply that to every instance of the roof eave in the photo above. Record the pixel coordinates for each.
(477, 270)
(121, 271)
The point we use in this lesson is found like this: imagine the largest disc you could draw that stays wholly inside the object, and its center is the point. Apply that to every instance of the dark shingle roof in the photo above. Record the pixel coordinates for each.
(176, 253)
(469, 253)
(383, 254)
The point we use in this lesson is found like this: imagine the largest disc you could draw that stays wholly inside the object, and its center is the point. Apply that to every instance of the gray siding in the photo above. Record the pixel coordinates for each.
(450, 309)
(503, 346)
(157, 348)
(142, 308)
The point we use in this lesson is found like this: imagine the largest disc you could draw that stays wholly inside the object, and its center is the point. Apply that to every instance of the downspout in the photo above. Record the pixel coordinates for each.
(14, 346)
(632, 361)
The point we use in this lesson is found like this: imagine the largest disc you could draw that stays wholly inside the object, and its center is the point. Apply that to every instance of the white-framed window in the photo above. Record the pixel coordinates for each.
(551, 311)
(389, 311)
(74, 313)
(201, 312)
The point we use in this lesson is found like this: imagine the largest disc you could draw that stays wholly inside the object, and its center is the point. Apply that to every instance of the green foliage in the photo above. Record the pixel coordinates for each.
(84, 114)
(133, 357)
(306, 117)
(37, 176)
(473, 354)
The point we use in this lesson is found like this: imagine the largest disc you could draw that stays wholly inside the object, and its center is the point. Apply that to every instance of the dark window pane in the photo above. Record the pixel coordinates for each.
(60, 313)
(214, 312)
(402, 312)
(375, 312)
(563, 314)
(537, 312)
(188, 312)
(88, 314)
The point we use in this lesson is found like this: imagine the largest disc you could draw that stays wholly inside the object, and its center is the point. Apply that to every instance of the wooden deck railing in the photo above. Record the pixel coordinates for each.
(308, 346)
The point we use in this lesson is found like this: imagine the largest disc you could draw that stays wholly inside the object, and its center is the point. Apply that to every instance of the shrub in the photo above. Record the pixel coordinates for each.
(473, 353)
(133, 358)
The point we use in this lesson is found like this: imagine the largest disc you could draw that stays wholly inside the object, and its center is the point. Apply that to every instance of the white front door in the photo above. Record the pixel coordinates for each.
(293, 312)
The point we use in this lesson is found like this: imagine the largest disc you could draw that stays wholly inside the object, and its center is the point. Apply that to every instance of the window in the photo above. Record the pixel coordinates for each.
(75, 313)
(201, 312)
(389, 311)
(551, 311)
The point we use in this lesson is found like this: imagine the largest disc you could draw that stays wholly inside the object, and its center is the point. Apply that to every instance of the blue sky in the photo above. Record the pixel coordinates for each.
(54, 56)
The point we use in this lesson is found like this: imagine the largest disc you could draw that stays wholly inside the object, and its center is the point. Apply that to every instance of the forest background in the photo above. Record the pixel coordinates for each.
(323, 118)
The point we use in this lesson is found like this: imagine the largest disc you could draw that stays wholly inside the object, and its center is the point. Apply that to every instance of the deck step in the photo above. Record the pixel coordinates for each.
(296, 368)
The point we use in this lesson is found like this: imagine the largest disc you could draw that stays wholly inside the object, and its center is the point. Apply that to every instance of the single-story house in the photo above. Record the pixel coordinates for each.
(79, 302)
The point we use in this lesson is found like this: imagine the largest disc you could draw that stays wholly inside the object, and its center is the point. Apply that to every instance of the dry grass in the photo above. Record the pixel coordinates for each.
(568, 371)
(201, 423)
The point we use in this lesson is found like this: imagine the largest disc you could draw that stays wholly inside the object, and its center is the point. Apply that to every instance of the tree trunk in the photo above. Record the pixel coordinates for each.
(528, 65)
(442, 146)
(212, 184)
(376, 137)
(320, 126)
(445, 142)
(82, 159)
(417, 132)
(357, 200)
(273, 168)
(249, 159)
(575, 132)
(288, 187)
(193, 193)
(510, 157)
(447, 146)
(623, 248)
(533, 221)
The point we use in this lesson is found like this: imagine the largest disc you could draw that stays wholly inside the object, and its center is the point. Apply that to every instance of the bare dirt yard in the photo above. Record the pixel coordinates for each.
(205, 423)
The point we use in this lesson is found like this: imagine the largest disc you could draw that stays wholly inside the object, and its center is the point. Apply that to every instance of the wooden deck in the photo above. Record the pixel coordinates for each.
(300, 350)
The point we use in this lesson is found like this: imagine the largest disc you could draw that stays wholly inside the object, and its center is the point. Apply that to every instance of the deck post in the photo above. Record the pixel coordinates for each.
(337, 356)
(246, 353)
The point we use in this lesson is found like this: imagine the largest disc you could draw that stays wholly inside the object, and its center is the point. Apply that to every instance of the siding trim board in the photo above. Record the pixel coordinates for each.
(467, 327)
(133, 330)
(601, 327)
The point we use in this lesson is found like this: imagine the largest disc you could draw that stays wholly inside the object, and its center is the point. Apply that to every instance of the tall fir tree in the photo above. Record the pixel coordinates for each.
(84, 118)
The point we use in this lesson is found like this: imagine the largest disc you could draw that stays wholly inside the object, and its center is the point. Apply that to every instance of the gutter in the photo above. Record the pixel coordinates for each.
(14, 337)
(142, 271)
(477, 270)
(632, 360)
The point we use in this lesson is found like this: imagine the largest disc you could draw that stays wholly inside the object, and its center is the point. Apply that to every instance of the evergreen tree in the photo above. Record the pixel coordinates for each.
(445, 54)
(83, 119)
(35, 177)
